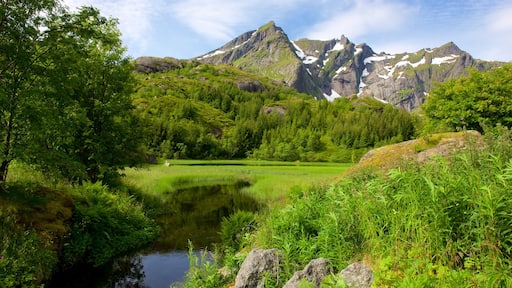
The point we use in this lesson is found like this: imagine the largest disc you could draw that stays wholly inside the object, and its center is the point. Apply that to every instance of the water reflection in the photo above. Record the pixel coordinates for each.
(197, 214)
(192, 214)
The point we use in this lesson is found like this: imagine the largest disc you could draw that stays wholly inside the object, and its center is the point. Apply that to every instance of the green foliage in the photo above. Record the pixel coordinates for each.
(25, 259)
(273, 122)
(65, 92)
(105, 225)
(94, 133)
(482, 99)
(203, 272)
(236, 228)
(442, 224)
(22, 66)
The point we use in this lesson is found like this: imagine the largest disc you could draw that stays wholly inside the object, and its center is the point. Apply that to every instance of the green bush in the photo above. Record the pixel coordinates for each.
(105, 225)
(25, 260)
(203, 272)
(235, 228)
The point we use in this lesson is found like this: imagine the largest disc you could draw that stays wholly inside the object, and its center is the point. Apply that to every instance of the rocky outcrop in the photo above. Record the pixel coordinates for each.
(258, 264)
(314, 273)
(250, 86)
(154, 64)
(358, 275)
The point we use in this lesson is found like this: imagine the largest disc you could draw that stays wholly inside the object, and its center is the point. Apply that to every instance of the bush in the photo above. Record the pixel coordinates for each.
(25, 260)
(105, 225)
(235, 228)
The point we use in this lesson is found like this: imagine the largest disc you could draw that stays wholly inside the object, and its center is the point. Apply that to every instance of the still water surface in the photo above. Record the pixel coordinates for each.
(191, 214)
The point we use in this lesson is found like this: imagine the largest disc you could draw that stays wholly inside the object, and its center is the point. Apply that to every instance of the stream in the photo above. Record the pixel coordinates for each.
(191, 214)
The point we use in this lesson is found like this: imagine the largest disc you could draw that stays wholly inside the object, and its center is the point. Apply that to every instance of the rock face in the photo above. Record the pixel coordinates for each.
(256, 266)
(266, 51)
(314, 273)
(337, 68)
(153, 64)
(357, 275)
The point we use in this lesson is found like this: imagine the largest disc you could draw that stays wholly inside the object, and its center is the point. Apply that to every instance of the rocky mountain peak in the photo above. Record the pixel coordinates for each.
(338, 68)
(344, 40)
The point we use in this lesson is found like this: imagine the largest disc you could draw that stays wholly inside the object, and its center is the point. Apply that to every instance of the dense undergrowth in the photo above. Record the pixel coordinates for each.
(43, 230)
(444, 223)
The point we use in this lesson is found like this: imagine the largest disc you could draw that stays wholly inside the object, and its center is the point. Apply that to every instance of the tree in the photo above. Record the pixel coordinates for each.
(482, 99)
(65, 91)
(21, 74)
(93, 81)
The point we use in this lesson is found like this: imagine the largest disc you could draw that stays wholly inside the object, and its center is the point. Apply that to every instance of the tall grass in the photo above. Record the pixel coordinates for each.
(446, 223)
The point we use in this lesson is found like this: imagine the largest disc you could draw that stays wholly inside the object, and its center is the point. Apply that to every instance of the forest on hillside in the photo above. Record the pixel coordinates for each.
(205, 111)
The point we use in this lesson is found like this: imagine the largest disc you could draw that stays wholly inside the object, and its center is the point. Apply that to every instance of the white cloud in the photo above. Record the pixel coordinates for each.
(488, 37)
(223, 19)
(363, 17)
(209, 18)
(135, 18)
(500, 21)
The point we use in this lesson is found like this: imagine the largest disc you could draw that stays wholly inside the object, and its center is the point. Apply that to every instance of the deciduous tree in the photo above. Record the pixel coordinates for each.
(22, 29)
(482, 99)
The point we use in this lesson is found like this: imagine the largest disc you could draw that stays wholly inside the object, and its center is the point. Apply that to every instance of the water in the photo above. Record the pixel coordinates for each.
(191, 214)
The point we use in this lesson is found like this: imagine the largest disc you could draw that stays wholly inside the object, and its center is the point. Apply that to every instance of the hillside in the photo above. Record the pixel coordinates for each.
(205, 111)
(339, 67)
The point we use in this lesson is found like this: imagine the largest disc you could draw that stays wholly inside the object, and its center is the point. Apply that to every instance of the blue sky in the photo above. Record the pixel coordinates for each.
(189, 28)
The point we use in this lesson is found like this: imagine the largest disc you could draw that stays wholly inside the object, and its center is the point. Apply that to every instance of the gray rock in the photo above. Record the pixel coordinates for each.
(258, 264)
(314, 273)
(358, 275)
(251, 86)
(155, 64)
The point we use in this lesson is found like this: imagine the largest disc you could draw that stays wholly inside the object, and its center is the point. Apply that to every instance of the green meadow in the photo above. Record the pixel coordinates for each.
(271, 181)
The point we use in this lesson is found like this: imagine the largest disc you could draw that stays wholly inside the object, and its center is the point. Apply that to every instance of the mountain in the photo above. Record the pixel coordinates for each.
(338, 67)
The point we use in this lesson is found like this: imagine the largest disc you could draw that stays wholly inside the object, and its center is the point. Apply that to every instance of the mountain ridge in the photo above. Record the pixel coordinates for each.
(329, 69)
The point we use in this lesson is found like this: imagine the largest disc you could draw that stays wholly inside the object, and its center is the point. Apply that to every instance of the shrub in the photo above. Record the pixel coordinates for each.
(235, 228)
(105, 225)
(25, 260)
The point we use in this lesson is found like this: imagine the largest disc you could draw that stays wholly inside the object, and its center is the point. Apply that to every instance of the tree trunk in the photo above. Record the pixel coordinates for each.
(4, 167)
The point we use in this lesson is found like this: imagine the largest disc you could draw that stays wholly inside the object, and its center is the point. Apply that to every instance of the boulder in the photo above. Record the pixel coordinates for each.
(357, 275)
(256, 266)
(314, 273)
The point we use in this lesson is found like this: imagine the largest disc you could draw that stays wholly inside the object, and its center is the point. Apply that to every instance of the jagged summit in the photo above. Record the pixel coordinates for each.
(338, 67)
(267, 51)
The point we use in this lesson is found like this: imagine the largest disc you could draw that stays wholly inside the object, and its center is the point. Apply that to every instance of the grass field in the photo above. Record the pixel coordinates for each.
(271, 181)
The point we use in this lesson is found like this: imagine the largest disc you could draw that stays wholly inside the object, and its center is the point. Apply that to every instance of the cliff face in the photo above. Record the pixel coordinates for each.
(338, 67)
(266, 51)
(400, 79)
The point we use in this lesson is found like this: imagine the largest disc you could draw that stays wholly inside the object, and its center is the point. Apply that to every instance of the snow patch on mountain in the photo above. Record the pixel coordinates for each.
(377, 58)
(306, 59)
(362, 85)
(445, 60)
(333, 96)
(337, 47)
(341, 69)
(381, 100)
(215, 53)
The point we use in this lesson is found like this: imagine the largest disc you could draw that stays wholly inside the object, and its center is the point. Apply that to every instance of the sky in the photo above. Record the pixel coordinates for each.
(189, 28)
